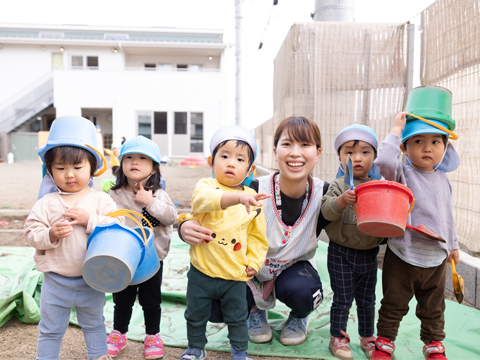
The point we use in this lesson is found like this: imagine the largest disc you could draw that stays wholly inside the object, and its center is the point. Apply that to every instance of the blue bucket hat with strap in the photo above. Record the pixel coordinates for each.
(450, 160)
(70, 131)
(357, 132)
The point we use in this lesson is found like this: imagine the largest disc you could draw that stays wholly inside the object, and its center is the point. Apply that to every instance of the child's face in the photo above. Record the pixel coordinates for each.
(137, 167)
(295, 159)
(424, 150)
(362, 156)
(71, 177)
(231, 164)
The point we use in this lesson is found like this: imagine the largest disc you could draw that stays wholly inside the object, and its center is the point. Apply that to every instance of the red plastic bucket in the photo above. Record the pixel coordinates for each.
(383, 207)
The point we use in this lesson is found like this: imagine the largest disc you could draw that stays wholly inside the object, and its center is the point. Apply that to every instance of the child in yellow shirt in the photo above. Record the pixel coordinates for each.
(220, 268)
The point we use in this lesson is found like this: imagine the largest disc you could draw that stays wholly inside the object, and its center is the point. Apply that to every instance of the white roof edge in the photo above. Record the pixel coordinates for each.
(112, 29)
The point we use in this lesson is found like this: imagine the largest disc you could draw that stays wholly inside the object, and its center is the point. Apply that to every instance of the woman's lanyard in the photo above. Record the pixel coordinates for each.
(278, 200)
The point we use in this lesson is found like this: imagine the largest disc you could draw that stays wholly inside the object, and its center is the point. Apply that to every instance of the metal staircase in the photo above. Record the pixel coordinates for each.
(27, 104)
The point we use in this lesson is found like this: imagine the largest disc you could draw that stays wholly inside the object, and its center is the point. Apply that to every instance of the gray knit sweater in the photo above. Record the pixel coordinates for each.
(432, 192)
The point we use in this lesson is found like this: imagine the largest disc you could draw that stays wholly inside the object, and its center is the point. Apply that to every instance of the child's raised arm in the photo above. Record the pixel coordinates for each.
(230, 199)
(399, 123)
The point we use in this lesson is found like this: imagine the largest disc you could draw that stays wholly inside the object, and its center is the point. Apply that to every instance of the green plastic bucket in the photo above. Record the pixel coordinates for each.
(431, 102)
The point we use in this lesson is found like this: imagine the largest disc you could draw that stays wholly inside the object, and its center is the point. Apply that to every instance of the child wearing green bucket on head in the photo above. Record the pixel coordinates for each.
(220, 268)
(58, 227)
(415, 265)
(352, 255)
(138, 189)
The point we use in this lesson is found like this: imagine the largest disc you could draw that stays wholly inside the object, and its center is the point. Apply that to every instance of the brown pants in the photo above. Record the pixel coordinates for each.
(400, 282)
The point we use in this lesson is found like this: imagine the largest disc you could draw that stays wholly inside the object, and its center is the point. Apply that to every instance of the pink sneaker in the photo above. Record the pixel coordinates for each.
(153, 347)
(368, 345)
(116, 342)
(339, 347)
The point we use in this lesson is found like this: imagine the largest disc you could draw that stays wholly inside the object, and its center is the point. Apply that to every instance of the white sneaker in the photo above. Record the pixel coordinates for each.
(295, 330)
(258, 329)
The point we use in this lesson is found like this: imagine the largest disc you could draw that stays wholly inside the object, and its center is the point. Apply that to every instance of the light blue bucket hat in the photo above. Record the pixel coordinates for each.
(70, 131)
(141, 145)
(450, 160)
(357, 132)
(74, 131)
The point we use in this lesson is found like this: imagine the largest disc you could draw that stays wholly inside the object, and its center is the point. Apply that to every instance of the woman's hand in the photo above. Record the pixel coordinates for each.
(194, 234)
(250, 271)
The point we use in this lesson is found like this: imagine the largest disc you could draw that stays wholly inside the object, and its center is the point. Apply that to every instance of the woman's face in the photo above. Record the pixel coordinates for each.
(295, 159)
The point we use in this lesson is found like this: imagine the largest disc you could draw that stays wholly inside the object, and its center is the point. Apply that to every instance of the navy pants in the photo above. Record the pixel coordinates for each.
(299, 287)
(149, 297)
(353, 275)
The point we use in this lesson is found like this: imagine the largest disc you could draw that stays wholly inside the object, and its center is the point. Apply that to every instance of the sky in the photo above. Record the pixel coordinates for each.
(257, 89)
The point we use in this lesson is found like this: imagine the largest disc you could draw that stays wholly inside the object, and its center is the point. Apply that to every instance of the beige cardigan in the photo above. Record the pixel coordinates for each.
(65, 256)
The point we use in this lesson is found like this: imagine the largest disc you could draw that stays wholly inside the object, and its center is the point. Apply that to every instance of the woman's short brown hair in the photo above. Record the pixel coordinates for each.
(300, 129)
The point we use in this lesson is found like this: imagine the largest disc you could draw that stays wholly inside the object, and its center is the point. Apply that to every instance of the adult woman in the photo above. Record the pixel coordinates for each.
(289, 272)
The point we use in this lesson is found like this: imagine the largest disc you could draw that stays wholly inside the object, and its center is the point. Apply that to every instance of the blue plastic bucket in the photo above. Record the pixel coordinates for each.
(114, 252)
(150, 263)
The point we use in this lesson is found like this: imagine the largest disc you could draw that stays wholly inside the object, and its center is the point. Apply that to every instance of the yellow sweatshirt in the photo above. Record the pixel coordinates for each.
(113, 158)
(239, 238)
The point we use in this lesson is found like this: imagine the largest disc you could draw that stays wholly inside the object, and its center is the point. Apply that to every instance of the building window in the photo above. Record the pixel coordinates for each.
(150, 66)
(196, 132)
(164, 67)
(92, 62)
(160, 123)
(77, 62)
(182, 67)
(195, 67)
(145, 124)
(180, 123)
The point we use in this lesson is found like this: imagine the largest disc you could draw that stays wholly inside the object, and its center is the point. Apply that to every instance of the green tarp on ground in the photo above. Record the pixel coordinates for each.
(20, 294)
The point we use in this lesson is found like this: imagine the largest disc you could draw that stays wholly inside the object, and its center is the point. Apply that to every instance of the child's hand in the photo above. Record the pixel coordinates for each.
(250, 271)
(143, 196)
(60, 230)
(455, 255)
(399, 123)
(252, 199)
(79, 216)
(348, 197)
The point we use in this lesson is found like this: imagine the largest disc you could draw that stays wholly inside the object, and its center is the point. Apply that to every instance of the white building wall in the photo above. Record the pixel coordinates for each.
(128, 92)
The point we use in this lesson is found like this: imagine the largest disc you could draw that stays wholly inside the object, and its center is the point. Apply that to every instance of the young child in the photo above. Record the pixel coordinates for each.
(220, 268)
(114, 162)
(413, 264)
(58, 227)
(138, 188)
(352, 255)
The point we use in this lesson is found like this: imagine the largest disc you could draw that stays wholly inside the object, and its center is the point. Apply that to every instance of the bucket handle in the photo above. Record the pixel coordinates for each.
(126, 212)
(411, 207)
(451, 134)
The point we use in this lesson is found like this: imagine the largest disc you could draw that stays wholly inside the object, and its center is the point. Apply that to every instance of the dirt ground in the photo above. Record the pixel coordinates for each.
(19, 183)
